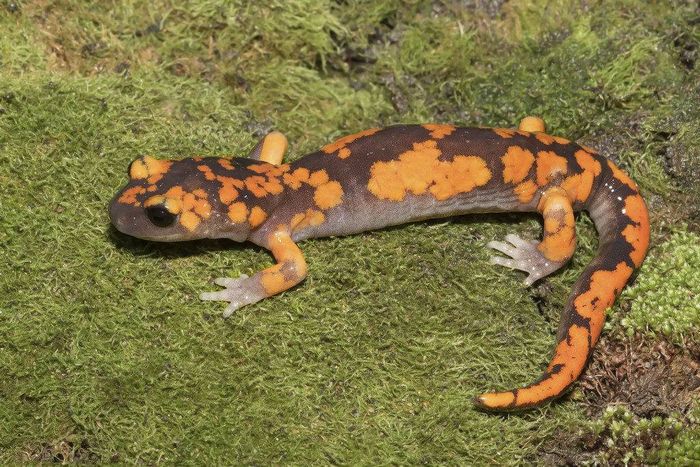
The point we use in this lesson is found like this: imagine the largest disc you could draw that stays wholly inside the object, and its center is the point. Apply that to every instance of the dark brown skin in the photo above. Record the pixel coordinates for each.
(400, 174)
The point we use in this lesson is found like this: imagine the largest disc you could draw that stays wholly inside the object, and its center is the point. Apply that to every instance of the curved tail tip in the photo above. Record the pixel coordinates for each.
(496, 401)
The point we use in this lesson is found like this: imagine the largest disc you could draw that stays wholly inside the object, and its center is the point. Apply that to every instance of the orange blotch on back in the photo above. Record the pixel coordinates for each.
(254, 184)
(544, 138)
(439, 131)
(516, 164)
(341, 144)
(418, 170)
(503, 132)
(549, 164)
(587, 162)
(296, 178)
(461, 176)
(579, 186)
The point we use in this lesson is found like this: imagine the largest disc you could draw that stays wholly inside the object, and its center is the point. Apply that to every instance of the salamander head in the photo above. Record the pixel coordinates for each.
(189, 199)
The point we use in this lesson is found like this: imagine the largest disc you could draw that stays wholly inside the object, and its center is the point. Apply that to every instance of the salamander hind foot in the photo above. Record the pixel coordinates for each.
(524, 255)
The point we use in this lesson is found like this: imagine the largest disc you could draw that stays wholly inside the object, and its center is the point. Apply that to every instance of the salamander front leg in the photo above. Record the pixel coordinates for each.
(288, 272)
(540, 259)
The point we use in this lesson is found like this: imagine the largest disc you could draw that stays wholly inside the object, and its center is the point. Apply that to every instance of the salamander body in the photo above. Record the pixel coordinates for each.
(399, 174)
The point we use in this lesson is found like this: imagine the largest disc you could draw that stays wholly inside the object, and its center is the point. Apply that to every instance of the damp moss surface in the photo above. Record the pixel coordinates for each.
(108, 355)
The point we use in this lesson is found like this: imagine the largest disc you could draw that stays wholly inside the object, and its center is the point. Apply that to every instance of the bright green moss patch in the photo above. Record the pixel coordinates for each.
(666, 297)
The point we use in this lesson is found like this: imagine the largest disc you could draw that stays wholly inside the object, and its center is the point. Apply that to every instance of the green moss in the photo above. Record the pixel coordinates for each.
(105, 350)
(625, 438)
(665, 297)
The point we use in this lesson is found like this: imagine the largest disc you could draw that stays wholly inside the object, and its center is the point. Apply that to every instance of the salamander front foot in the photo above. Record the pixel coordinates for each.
(238, 292)
(524, 255)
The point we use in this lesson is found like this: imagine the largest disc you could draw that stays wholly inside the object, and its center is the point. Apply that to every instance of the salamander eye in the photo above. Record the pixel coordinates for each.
(160, 216)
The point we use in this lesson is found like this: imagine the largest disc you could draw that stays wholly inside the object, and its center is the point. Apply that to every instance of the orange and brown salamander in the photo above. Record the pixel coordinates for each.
(405, 173)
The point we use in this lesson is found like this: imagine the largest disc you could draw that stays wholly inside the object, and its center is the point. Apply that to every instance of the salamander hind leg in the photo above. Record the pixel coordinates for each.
(540, 259)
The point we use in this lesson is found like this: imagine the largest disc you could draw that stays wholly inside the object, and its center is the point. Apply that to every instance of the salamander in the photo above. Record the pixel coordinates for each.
(404, 173)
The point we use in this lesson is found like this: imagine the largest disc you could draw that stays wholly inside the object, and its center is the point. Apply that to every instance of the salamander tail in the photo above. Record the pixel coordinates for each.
(622, 221)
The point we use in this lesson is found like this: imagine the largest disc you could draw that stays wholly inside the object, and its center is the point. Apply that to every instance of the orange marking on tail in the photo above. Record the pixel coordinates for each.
(637, 234)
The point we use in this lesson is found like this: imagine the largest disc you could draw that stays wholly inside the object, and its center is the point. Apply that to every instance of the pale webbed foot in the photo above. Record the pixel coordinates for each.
(524, 255)
(238, 292)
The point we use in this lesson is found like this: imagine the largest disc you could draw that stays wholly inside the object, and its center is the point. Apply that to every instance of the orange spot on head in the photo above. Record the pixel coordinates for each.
(153, 200)
(202, 208)
(189, 220)
(318, 178)
(257, 216)
(516, 164)
(438, 131)
(549, 164)
(238, 212)
(175, 192)
(130, 195)
(328, 195)
(188, 201)
(138, 170)
(344, 153)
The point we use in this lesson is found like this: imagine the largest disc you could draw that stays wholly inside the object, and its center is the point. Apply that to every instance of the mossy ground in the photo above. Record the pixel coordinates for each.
(106, 353)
